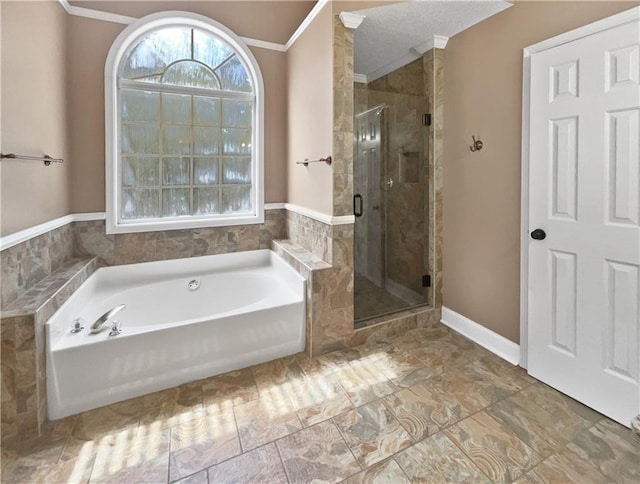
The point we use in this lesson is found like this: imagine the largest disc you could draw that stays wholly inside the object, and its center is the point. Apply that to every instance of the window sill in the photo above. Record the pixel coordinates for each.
(181, 223)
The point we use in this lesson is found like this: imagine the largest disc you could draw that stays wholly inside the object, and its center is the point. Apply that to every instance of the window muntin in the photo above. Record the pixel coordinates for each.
(187, 129)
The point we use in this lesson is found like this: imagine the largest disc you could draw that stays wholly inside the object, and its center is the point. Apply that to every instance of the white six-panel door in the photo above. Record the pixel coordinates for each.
(584, 193)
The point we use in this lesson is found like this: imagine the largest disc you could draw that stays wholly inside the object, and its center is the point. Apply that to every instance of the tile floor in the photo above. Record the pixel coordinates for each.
(371, 300)
(425, 406)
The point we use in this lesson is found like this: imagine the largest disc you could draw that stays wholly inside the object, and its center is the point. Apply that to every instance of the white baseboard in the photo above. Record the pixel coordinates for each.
(499, 345)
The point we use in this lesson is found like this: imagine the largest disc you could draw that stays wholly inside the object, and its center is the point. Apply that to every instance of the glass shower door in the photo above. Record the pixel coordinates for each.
(390, 204)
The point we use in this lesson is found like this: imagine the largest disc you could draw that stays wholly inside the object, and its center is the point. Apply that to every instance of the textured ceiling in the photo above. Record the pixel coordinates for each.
(384, 40)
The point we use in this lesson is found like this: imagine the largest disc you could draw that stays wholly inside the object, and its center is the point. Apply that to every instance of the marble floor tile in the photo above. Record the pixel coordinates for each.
(614, 449)
(223, 392)
(363, 386)
(67, 472)
(318, 399)
(497, 379)
(132, 458)
(422, 414)
(201, 477)
(426, 406)
(372, 433)
(494, 448)
(320, 365)
(259, 466)
(277, 372)
(450, 397)
(170, 414)
(310, 391)
(566, 467)
(107, 420)
(201, 443)
(561, 407)
(262, 421)
(317, 454)
(532, 424)
(400, 364)
(438, 460)
(385, 472)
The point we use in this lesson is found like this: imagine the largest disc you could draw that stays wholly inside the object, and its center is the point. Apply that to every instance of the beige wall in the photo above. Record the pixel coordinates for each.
(310, 118)
(89, 42)
(33, 114)
(483, 96)
(273, 21)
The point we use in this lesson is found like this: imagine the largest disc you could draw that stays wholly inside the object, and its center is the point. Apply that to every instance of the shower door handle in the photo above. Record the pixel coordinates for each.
(357, 208)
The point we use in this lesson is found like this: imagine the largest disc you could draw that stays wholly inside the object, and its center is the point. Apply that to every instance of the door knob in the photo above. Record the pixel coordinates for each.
(538, 234)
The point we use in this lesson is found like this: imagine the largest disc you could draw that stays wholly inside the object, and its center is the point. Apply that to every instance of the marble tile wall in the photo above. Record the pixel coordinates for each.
(23, 359)
(312, 235)
(405, 151)
(90, 239)
(434, 79)
(26, 264)
(342, 165)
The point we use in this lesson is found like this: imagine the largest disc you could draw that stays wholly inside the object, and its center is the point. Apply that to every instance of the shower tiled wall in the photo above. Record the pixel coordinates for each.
(414, 232)
(402, 91)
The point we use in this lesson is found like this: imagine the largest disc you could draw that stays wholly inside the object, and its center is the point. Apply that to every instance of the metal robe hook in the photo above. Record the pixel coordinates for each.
(477, 144)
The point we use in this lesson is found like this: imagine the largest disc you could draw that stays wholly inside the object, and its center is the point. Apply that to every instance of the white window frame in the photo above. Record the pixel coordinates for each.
(127, 38)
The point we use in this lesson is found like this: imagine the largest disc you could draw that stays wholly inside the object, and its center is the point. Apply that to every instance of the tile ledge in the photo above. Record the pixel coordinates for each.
(49, 287)
(310, 261)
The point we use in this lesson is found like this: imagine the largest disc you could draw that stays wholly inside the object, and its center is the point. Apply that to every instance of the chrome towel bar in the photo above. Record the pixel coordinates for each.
(46, 159)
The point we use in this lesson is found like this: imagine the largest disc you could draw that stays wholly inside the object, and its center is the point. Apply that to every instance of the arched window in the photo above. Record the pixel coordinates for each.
(184, 124)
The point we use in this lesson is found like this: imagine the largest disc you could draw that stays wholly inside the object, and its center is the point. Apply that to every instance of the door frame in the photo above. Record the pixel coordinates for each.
(625, 17)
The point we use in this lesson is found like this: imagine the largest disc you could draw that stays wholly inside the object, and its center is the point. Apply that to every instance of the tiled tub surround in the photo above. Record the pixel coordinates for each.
(23, 370)
(90, 238)
(26, 264)
(248, 308)
(423, 406)
(38, 275)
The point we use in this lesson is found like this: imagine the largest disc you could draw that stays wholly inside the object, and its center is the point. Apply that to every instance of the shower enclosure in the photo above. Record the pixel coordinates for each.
(390, 194)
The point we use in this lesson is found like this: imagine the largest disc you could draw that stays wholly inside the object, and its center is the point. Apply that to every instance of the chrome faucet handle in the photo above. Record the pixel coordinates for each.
(116, 328)
(99, 325)
(77, 325)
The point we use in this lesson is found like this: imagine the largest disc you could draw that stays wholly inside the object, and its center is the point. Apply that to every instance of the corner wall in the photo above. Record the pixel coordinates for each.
(33, 114)
(483, 96)
(310, 115)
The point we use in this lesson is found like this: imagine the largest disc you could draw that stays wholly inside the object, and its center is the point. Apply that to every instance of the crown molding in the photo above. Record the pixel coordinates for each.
(436, 42)
(351, 20)
(124, 20)
(627, 16)
(417, 51)
(306, 22)
(263, 44)
(360, 78)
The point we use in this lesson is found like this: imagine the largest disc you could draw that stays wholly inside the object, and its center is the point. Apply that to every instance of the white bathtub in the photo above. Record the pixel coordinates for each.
(249, 308)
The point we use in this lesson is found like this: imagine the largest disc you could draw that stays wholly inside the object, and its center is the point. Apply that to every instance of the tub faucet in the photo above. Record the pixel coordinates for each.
(101, 322)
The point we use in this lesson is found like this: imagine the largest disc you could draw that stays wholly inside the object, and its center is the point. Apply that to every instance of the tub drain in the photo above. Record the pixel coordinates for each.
(193, 284)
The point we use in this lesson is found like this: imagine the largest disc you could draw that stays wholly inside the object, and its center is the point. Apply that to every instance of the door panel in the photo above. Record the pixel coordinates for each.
(584, 186)
(367, 182)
